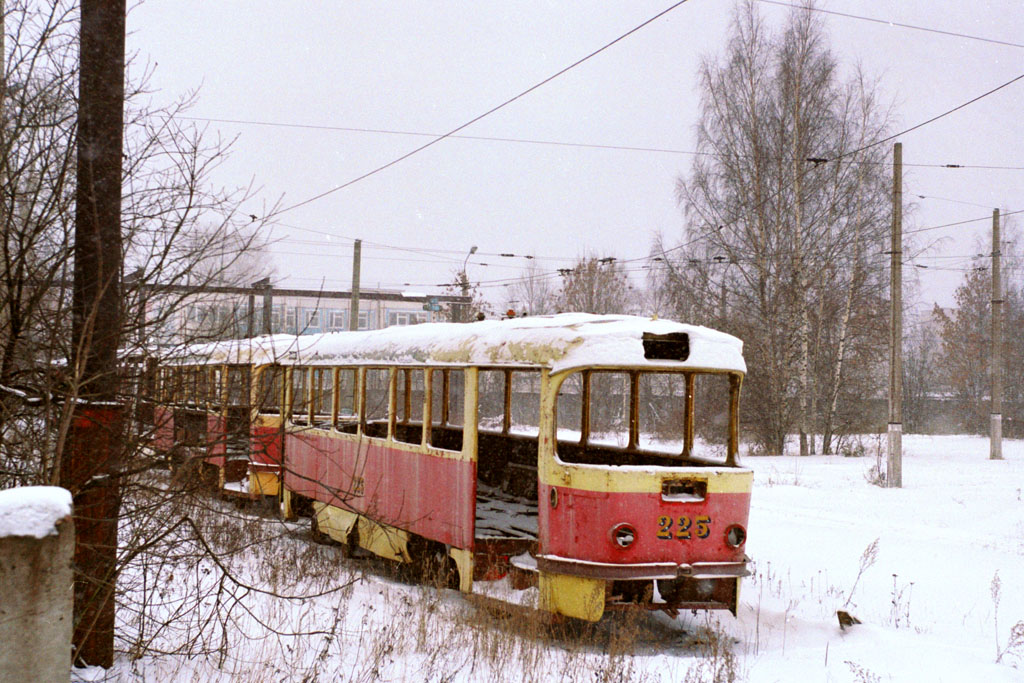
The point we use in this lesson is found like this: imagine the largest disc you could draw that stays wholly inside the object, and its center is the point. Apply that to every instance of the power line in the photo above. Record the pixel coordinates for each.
(925, 123)
(481, 116)
(889, 22)
(562, 143)
(964, 222)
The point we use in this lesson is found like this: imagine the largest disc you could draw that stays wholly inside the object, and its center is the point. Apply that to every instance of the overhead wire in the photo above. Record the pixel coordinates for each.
(562, 143)
(480, 116)
(889, 22)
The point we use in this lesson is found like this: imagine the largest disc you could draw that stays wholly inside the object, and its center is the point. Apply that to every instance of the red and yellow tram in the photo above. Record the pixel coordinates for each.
(595, 454)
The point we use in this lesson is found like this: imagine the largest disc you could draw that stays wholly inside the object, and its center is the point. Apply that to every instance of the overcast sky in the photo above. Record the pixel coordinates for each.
(427, 67)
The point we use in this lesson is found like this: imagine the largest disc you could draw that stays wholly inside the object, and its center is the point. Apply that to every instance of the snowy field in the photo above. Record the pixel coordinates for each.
(935, 571)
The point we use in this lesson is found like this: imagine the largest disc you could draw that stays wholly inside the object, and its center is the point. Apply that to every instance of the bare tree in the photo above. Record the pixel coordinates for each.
(787, 208)
(595, 285)
(166, 196)
(533, 293)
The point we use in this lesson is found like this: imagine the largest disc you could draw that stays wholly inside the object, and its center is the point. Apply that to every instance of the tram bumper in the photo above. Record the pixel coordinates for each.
(585, 589)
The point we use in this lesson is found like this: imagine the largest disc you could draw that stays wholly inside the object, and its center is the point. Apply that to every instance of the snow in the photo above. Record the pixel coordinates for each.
(33, 511)
(559, 342)
(926, 600)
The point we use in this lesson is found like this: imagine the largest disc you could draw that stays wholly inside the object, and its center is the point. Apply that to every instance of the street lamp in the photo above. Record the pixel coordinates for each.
(465, 283)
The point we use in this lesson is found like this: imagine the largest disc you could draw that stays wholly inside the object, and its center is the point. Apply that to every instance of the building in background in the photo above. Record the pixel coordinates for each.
(238, 312)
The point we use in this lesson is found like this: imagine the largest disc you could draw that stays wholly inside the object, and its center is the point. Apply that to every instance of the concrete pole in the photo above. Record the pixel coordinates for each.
(353, 309)
(250, 315)
(894, 469)
(268, 308)
(996, 370)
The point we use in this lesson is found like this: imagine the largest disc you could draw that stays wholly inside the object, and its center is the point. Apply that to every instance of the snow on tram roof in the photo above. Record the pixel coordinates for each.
(558, 342)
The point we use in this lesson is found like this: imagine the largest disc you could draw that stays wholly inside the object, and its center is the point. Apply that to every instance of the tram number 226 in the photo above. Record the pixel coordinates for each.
(684, 526)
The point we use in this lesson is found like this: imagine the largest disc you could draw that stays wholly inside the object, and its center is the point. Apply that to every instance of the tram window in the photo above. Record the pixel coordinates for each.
(438, 386)
(525, 403)
(569, 409)
(492, 400)
(456, 397)
(205, 390)
(174, 385)
(409, 407)
(409, 397)
(446, 409)
(238, 386)
(323, 388)
(300, 396)
(376, 415)
(348, 418)
(212, 386)
(662, 411)
(609, 408)
(190, 386)
(711, 416)
(269, 389)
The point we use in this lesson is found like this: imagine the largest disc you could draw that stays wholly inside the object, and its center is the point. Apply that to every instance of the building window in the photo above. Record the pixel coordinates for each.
(364, 320)
(405, 318)
(336, 320)
(313, 318)
(290, 315)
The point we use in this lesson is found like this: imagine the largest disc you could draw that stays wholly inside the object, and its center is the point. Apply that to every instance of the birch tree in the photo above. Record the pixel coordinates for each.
(787, 209)
(595, 285)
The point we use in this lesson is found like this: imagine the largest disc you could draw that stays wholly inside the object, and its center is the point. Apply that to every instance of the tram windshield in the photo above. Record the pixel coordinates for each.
(644, 418)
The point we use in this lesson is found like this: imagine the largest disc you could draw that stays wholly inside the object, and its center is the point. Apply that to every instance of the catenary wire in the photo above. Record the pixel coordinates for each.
(480, 116)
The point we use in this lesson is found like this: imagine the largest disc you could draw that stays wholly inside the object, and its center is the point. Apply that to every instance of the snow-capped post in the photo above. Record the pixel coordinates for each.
(37, 541)
(894, 469)
(91, 462)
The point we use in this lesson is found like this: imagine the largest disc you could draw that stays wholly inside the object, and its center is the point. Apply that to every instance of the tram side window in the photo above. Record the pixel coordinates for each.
(348, 419)
(456, 398)
(711, 416)
(300, 397)
(323, 388)
(213, 389)
(202, 386)
(269, 390)
(609, 408)
(525, 403)
(492, 400)
(409, 406)
(570, 408)
(174, 385)
(238, 386)
(447, 400)
(375, 419)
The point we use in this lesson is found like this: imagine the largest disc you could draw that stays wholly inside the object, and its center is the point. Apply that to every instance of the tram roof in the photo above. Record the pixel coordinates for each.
(558, 342)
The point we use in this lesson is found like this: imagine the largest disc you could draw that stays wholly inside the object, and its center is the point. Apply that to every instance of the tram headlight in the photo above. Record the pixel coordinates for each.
(735, 535)
(623, 535)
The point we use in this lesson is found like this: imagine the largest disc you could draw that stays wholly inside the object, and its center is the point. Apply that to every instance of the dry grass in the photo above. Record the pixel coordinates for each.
(244, 596)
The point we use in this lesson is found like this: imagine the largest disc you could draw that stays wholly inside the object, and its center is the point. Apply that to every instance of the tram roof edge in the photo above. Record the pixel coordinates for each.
(558, 342)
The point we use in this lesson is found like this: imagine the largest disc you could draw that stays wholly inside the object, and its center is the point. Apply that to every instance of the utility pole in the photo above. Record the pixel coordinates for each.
(894, 469)
(353, 309)
(91, 463)
(996, 427)
(268, 306)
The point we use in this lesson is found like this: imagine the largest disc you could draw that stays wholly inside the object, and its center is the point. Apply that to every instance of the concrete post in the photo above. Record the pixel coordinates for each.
(37, 544)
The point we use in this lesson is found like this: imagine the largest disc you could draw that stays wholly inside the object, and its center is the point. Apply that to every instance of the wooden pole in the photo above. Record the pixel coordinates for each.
(894, 469)
(996, 424)
(90, 467)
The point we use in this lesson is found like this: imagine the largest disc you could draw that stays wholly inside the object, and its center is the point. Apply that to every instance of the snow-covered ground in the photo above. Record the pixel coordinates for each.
(916, 565)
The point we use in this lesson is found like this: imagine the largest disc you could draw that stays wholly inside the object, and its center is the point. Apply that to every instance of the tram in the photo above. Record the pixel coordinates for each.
(596, 456)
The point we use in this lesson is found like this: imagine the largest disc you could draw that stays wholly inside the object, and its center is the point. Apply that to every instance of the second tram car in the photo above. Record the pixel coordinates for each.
(595, 455)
